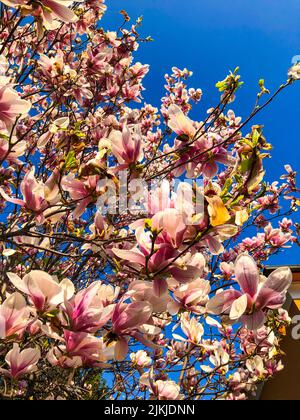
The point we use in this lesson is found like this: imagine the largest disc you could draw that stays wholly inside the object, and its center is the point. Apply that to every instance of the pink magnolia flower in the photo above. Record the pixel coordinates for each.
(127, 145)
(165, 390)
(48, 10)
(171, 225)
(218, 155)
(101, 228)
(83, 345)
(57, 357)
(14, 316)
(257, 294)
(44, 291)
(16, 151)
(191, 328)
(170, 230)
(276, 237)
(142, 291)
(21, 362)
(219, 359)
(11, 106)
(160, 389)
(192, 296)
(86, 311)
(204, 154)
(141, 359)
(285, 225)
(82, 192)
(77, 349)
(180, 123)
(36, 195)
(126, 319)
(227, 269)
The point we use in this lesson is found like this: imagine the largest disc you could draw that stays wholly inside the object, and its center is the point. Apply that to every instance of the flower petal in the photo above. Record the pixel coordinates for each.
(280, 279)
(247, 274)
(238, 307)
(222, 301)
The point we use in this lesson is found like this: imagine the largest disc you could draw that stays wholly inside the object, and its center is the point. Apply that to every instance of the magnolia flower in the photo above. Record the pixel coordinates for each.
(219, 359)
(142, 291)
(44, 291)
(48, 10)
(127, 145)
(11, 106)
(256, 367)
(77, 349)
(80, 191)
(169, 229)
(57, 356)
(126, 319)
(16, 151)
(36, 195)
(208, 164)
(294, 72)
(101, 228)
(60, 124)
(192, 296)
(167, 390)
(180, 123)
(227, 269)
(191, 328)
(215, 238)
(14, 316)
(21, 362)
(257, 294)
(171, 225)
(86, 311)
(52, 67)
(84, 345)
(141, 359)
(163, 390)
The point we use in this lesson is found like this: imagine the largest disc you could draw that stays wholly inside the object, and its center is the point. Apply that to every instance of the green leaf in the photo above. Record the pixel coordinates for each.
(246, 165)
(255, 137)
(70, 162)
(227, 186)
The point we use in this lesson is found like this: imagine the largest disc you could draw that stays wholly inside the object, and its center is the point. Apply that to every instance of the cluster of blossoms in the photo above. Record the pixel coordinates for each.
(165, 296)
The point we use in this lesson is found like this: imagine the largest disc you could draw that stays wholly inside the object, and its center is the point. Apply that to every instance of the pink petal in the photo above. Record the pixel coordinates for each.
(255, 321)
(61, 11)
(185, 275)
(214, 244)
(222, 301)
(121, 349)
(134, 255)
(160, 287)
(12, 200)
(268, 298)
(238, 308)
(180, 123)
(280, 279)
(210, 169)
(247, 274)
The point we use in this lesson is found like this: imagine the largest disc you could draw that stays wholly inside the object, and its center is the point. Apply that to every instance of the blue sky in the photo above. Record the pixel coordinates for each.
(212, 37)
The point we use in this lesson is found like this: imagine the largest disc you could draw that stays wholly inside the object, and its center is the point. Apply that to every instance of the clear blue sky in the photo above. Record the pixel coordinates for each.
(212, 37)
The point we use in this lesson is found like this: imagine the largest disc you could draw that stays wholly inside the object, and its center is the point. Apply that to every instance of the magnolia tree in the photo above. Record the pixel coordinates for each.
(124, 247)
